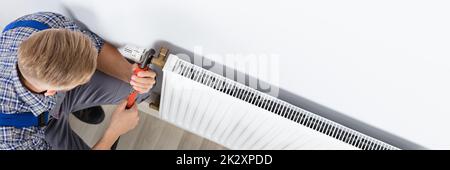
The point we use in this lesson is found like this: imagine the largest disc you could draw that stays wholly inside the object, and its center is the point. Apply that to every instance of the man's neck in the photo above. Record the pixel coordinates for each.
(27, 85)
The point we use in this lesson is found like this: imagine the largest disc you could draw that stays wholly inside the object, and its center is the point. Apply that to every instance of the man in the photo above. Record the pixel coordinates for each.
(50, 66)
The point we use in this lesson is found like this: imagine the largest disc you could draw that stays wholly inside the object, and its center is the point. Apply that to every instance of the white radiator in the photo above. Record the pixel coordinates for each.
(239, 117)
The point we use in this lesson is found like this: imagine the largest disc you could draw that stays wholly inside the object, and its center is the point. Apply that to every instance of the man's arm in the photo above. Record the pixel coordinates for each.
(122, 121)
(111, 62)
(106, 142)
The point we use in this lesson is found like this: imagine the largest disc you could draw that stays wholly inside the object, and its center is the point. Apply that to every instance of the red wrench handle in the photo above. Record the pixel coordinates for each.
(132, 97)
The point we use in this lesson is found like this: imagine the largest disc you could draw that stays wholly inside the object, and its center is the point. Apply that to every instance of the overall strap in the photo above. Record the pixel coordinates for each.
(26, 119)
(26, 23)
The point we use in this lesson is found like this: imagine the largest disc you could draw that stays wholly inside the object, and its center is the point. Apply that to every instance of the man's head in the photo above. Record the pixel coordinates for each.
(56, 59)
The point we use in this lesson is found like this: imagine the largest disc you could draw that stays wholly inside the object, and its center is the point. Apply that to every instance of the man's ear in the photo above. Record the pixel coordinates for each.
(50, 93)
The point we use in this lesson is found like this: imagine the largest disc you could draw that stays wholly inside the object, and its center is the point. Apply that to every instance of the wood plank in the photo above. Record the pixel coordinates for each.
(170, 137)
(190, 141)
(209, 145)
(150, 133)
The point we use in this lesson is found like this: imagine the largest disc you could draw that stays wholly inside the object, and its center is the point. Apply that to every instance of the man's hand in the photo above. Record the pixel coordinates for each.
(122, 121)
(144, 80)
(111, 62)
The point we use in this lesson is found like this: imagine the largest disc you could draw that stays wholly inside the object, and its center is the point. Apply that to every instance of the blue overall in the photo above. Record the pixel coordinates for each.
(26, 119)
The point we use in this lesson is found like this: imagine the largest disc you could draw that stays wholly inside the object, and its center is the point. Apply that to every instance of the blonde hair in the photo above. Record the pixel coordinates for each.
(58, 57)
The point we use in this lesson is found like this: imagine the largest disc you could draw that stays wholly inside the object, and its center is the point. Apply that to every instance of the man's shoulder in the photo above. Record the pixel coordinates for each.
(51, 19)
(43, 16)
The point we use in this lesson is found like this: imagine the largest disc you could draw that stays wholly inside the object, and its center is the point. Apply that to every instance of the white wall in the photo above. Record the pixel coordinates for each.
(383, 62)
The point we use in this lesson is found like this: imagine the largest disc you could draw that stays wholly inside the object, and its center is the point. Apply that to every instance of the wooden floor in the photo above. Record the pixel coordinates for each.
(151, 133)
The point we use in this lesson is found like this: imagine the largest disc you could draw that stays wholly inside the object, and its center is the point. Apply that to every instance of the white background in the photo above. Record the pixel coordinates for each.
(384, 62)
